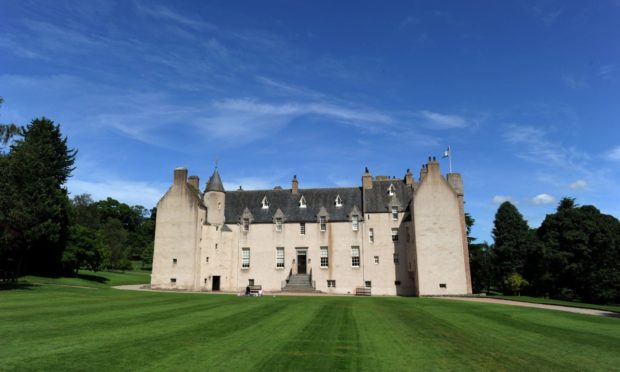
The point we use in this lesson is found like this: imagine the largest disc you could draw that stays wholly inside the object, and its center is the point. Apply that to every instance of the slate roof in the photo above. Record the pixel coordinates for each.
(288, 203)
(378, 200)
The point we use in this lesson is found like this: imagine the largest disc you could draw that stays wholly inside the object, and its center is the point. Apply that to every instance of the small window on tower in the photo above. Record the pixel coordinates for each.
(371, 235)
(302, 228)
(246, 224)
(338, 201)
(323, 223)
(394, 213)
(278, 224)
(443, 285)
(174, 260)
(265, 203)
(302, 202)
(355, 222)
(391, 190)
(394, 235)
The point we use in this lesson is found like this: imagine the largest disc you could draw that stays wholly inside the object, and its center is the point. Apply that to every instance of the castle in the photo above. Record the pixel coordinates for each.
(389, 236)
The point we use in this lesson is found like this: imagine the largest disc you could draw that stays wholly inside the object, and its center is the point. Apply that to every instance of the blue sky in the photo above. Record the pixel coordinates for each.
(526, 93)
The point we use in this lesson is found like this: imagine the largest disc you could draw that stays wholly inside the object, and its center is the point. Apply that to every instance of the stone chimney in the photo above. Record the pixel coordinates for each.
(433, 165)
(194, 181)
(180, 176)
(423, 171)
(366, 180)
(294, 185)
(409, 177)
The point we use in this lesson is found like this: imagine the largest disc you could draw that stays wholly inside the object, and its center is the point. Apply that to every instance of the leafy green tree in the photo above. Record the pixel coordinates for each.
(582, 253)
(515, 283)
(481, 267)
(34, 202)
(513, 242)
(85, 249)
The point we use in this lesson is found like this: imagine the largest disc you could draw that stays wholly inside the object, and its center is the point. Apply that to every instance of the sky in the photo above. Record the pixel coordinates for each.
(527, 94)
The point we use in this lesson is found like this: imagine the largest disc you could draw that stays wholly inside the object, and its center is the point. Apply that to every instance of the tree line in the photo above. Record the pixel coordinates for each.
(573, 255)
(42, 230)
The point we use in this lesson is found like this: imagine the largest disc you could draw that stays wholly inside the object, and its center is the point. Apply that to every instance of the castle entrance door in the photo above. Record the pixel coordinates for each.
(216, 283)
(301, 262)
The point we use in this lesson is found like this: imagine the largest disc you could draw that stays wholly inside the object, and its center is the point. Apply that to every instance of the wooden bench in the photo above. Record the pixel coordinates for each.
(362, 291)
(255, 290)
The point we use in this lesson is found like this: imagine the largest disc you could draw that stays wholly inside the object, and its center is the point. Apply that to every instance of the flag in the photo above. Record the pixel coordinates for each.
(446, 154)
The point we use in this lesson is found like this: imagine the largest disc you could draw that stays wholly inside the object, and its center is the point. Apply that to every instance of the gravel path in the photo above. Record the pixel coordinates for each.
(569, 309)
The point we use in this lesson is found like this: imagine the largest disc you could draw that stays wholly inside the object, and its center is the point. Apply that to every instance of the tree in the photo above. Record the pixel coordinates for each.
(515, 283)
(84, 249)
(513, 242)
(582, 253)
(34, 203)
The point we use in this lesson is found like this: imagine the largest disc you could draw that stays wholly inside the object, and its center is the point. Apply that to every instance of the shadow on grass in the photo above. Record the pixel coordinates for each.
(93, 278)
(8, 286)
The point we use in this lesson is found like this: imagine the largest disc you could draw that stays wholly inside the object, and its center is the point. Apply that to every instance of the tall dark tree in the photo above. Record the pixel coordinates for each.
(35, 217)
(513, 241)
(582, 253)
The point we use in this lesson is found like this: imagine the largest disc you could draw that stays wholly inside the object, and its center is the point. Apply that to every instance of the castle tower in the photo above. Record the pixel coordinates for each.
(214, 199)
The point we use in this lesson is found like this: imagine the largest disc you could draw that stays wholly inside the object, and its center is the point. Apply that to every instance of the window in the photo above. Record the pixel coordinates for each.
(302, 228)
(368, 284)
(443, 285)
(205, 280)
(397, 282)
(173, 280)
(394, 235)
(394, 213)
(391, 190)
(251, 282)
(278, 224)
(331, 284)
(207, 260)
(396, 259)
(355, 256)
(280, 257)
(302, 202)
(246, 224)
(174, 260)
(371, 235)
(245, 258)
(338, 201)
(376, 259)
(355, 222)
(323, 223)
(265, 203)
(324, 257)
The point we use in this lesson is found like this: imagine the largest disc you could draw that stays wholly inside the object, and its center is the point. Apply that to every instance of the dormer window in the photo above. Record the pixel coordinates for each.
(391, 190)
(302, 202)
(265, 203)
(338, 201)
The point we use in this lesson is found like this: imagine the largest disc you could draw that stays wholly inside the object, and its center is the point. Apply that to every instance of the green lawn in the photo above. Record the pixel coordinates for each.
(538, 300)
(99, 279)
(51, 327)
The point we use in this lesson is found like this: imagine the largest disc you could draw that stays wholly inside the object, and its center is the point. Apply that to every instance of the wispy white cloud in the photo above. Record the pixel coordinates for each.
(578, 185)
(443, 121)
(499, 199)
(614, 154)
(130, 192)
(533, 145)
(573, 82)
(162, 12)
(542, 199)
(547, 17)
(607, 72)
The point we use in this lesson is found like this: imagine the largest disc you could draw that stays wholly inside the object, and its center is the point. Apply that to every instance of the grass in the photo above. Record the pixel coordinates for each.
(96, 279)
(539, 300)
(51, 327)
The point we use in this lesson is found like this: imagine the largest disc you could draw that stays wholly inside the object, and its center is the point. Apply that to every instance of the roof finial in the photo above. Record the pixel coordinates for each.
(216, 161)
(366, 170)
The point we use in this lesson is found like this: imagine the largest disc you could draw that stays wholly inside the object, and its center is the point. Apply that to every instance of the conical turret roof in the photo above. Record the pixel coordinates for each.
(215, 182)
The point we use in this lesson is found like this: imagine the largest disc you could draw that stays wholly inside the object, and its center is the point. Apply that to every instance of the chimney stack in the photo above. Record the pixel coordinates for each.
(366, 180)
(194, 181)
(180, 176)
(295, 185)
(409, 177)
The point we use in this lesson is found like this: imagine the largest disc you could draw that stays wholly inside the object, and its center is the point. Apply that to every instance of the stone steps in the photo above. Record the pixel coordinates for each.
(299, 283)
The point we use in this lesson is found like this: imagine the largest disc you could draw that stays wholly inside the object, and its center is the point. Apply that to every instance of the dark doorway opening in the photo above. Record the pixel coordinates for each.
(301, 262)
(215, 283)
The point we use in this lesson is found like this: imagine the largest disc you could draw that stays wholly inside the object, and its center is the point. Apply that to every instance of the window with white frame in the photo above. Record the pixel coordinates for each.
(396, 259)
(394, 235)
(355, 256)
(265, 203)
(376, 259)
(246, 224)
(324, 257)
(302, 202)
(355, 222)
(391, 190)
(331, 284)
(245, 258)
(394, 213)
(278, 223)
(338, 201)
(323, 223)
(371, 235)
(302, 228)
(280, 257)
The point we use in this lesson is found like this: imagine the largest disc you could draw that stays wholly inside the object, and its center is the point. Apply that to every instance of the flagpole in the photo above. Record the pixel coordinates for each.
(450, 157)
